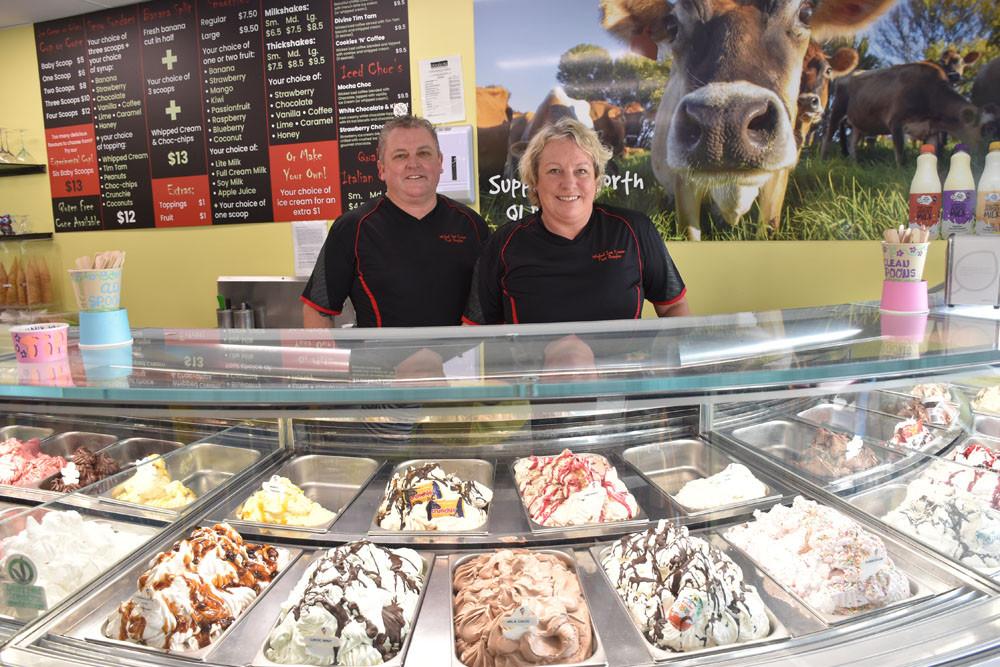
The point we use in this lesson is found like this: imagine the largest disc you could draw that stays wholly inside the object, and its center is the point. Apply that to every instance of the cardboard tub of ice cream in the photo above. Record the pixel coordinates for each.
(307, 493)
(563, 644)
(178, 598)
(302, 642)
(436, 497)
(573, 491)
(764, 586)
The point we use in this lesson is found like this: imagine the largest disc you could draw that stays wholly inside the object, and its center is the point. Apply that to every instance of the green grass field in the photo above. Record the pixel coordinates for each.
(832, 199)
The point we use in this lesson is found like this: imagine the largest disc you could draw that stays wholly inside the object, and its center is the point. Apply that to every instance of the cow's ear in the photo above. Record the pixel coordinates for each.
(638, 23)
(840, 18)
(971, 57)
(844, 61)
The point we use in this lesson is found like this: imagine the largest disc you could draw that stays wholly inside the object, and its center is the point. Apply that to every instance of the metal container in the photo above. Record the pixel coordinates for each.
(787, 441)
(23, 433)
(671, 465)
(922, 585)
(466, 470)
(89, 623)
(266, 618)
(867, 424)
(986, 425)
(777, 633)
(597, 659)
(126, 453)
(331, 481)
(65, 444)
(200, 467)
(890, 403)
(880, 501)
(640, 518)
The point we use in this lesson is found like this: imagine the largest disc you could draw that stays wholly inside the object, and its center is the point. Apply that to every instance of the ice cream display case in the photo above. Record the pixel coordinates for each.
(794, 486)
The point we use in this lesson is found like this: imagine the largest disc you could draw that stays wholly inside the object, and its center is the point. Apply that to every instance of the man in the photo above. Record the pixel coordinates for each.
(405, 258)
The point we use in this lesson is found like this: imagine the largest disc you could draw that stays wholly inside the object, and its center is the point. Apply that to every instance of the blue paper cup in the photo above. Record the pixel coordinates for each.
(97, 290)
(104, 329)
(107, 363)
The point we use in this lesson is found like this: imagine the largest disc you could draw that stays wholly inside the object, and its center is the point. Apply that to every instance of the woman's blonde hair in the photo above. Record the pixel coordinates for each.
(564, 128)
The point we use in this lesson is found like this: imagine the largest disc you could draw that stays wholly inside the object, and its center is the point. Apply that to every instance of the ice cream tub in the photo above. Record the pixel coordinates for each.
(751, 575)
(65, 444)
(788, 441)
(200, 467)
(922, 584)
(40, 343)
(671, 465)
(89, 623)
(268, 614)
(465, 469)
(331, 481)
(988, 426)
(124, 452)
(640, 518)
(24, 433)
(893, 403)
(871, 425)
(598, 657)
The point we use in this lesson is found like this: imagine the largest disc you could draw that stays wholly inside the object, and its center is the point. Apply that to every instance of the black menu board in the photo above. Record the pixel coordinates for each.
(177, 113)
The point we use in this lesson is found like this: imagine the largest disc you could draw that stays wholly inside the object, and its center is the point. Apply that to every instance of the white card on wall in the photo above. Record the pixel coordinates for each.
(442, 93)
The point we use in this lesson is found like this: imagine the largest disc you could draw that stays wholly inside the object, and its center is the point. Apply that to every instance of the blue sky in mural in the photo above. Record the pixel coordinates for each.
(518, 43)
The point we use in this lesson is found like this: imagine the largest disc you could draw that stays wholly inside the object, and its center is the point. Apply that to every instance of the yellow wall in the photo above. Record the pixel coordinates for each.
(170, 273)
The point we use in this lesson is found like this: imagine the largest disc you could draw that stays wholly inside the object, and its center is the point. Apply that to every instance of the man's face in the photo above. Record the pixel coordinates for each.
(411, 166)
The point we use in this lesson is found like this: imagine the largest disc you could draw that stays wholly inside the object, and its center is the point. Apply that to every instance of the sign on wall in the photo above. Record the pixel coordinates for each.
(180, 113)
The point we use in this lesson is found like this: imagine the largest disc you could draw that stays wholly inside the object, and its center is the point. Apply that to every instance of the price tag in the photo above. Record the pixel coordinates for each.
(25, 597)
(592, 490)
(854, 447)
(145, 603)
(21, 570)
(871, 566)
(518, 623)
(274, 486)
(324, 645)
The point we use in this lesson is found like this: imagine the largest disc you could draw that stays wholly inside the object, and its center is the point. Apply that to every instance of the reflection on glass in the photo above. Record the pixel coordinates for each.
(23, 155)
(5, 154)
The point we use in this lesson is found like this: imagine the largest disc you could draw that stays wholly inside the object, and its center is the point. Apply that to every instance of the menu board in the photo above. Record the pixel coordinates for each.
(177, 113)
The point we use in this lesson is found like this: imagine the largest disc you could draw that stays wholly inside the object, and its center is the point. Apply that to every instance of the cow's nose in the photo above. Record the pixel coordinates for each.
(733, 135)
(809, 103)
(954, 78)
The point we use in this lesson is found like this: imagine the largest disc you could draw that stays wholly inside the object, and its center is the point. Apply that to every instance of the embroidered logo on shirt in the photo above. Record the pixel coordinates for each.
(453, 238)
(608, 254)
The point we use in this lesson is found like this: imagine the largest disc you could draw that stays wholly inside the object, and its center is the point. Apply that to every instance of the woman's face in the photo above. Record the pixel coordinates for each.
(567, 183)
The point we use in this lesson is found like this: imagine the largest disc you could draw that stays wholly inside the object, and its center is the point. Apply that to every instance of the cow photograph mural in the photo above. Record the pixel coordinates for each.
(763, 119)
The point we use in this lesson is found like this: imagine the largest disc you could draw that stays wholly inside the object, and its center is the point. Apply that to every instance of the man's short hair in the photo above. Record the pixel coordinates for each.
(405, 122)
(564, 128)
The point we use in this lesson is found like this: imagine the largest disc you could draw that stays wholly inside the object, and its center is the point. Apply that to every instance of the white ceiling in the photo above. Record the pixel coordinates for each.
(20, 12)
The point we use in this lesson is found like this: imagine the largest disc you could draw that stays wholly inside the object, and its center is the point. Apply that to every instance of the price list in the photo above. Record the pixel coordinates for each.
(372, 50)
(195, 112)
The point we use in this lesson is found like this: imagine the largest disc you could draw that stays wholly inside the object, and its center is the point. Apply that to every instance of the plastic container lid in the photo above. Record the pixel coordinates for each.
(995, 145)
(963, 148)
(929, 148)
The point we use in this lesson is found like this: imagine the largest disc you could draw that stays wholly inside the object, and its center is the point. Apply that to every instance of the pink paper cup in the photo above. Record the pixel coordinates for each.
(40, 343)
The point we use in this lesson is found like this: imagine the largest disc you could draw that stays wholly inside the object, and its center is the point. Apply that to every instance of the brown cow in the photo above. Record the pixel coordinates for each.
(557, 104)
(493, 116)
(609, 123)
(724, 127)
(903, 99)
(818, 70)
(986, 95)
(633, 123)
(954, 64)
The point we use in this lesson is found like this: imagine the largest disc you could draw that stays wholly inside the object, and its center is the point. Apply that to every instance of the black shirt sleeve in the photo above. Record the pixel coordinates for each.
(485, 304)
(661, 281)
(330, 283)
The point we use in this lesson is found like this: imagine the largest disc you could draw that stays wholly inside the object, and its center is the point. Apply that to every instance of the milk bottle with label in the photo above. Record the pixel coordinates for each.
(925, 193)
(958, 201)
(988, 200)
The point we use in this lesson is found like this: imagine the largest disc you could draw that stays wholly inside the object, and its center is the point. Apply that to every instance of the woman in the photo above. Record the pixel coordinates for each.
(572, 260)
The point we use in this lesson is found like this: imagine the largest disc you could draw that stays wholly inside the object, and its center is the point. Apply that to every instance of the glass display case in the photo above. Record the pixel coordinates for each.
(818, 485)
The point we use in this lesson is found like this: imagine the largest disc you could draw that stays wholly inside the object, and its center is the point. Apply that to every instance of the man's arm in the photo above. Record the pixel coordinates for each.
(313, 319)
(674, 309)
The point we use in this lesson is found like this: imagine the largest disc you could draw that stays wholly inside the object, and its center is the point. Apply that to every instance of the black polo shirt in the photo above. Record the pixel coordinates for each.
(399, 271)
(528, 274)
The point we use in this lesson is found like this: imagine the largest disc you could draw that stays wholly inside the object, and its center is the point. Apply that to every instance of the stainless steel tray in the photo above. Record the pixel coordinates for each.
(987, 425)
(921, 586)
(91, 627)
(64, 444)
(870, 425)
(880, 501)
(893, 402)
(271, 611)
(200, 467)
(671, 465)
(331, 481)
(465, 469)
(597, 659)
(778, 630)
(23, 433)
(785, 440)
(640, 518)
(126, 452)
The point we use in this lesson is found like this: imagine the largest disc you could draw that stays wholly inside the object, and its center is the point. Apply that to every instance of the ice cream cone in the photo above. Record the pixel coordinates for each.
(12, 282)
(3, 284)
(22, 286)
(33, 286)
(45, 278)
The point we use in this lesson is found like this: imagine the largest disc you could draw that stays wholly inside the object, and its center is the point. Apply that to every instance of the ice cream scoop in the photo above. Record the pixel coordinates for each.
(281, 502)
(84, 468)
(426, 497)
(733, 484)
(151, 485)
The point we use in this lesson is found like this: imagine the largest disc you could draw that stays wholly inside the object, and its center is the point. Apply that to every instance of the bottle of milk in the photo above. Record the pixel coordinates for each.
(958, 201)
(925, 193)
(988, 200)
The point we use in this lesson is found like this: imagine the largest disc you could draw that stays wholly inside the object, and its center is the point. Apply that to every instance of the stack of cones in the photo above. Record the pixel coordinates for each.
(25, 284)
(4, 282)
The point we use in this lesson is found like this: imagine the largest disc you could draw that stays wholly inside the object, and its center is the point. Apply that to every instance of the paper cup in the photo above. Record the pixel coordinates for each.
(40, 343)
(904, 262)
(97, 290)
